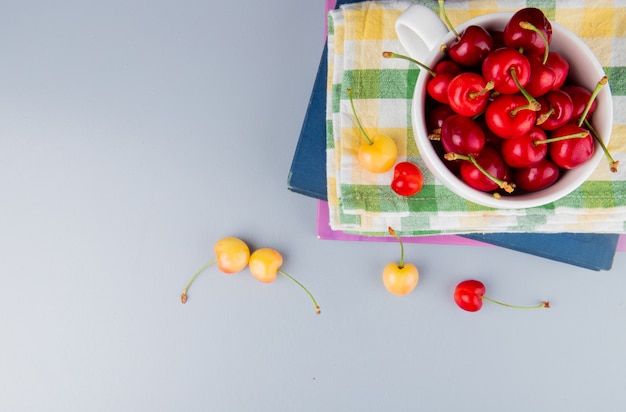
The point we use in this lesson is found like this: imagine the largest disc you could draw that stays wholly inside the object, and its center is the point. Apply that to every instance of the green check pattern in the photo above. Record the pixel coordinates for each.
(363, 203)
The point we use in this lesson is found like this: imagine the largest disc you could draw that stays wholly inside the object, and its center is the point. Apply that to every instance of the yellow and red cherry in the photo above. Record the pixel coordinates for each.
(379, 153)
(265, 264)
(400, 278)
(231, 255)
(470, 294)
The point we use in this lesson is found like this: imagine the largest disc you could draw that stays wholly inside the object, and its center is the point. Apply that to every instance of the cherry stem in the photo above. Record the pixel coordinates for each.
(539, 306)
(487, 89)
(392, 55)
(613, 164)
(435, 135)
(394, 234)
(580, 135)
(317, 307)
(446, 20)
(529, 26)
(533, 104)
(604, 80)
(508, 187)
(358, 122)
(183, 297)
(541, 119)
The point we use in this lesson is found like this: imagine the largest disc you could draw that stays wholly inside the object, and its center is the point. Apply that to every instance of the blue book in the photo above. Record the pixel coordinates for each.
(307, 176)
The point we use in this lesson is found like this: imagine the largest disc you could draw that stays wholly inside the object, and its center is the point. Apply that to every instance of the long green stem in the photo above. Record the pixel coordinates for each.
(529, 26)
(508, 187)
(183, 297)
(580, 135)
(446, 20)
(392, 55)
(613, 164)
(358, 122)
(541, 305)
(317, 307)
(533, 104)
(394, 234)
(604, 80)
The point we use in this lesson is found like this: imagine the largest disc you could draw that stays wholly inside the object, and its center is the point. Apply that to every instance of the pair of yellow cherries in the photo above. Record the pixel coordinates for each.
(233, 255)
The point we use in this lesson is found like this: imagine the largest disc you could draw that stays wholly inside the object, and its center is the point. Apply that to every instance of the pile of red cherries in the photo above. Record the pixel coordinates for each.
(502, 111)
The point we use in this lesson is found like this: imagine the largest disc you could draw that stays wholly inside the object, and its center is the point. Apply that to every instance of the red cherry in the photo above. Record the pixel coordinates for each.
(468, 94)
(572, 150)
(523, 151)
(471, 47)
(407, 179)
(488, 161)
(510, 116)
(468, 295)
(530, 41)
(498, 65)
(560, 67)
(556, 110)
(437, 113)
(542, 77)
(460, 134)
(580, 97)
(437, 86)
(448, 66)
(536, 177)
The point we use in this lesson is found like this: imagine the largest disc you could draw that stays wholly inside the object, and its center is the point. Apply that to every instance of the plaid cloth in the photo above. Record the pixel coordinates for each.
(363, 203)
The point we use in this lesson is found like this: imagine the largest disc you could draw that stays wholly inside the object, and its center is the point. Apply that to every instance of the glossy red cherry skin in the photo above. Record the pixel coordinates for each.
(530, 41)
(536, 177)
(437, 113)
(468, 295)
(491, 161)
(501, 120)
(559, 106)
(523, 151)
(573, 152)
(473, 46)
(407, 179)
(580, 96)
(462, 135)
(542, 77)
(467, 94)
(497, 66)
(560, 67)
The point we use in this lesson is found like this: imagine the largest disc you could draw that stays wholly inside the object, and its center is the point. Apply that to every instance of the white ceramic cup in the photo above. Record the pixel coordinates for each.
(422, 32)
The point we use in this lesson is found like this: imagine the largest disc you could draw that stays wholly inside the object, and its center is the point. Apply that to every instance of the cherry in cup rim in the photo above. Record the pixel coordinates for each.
(585, 69)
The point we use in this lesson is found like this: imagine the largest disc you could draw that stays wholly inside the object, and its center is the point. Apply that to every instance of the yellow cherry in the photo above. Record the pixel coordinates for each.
(379, 153)
(231, 255)
(400, 278)
(265, 264)
(378, 156)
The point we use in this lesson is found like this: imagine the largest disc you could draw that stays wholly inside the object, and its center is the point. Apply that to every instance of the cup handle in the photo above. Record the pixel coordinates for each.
(419, 29)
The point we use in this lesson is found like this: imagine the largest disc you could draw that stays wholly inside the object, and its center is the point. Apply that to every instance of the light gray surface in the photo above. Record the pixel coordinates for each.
(134, 135)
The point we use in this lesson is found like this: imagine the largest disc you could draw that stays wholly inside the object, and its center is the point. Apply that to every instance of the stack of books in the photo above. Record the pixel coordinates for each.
(307, 176)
